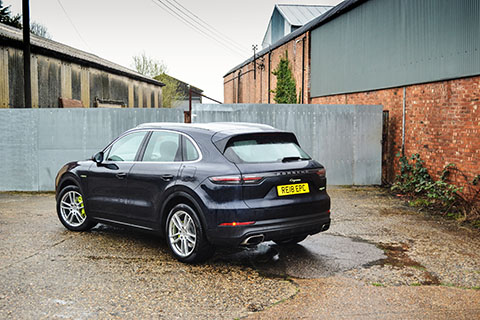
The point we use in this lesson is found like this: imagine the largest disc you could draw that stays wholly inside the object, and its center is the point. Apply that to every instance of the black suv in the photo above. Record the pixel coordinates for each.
(200, 186)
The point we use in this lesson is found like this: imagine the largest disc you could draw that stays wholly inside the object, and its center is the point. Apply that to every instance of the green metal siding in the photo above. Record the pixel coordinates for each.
(391, 43)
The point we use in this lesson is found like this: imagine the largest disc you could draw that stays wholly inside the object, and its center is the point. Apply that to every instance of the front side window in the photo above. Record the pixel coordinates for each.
(125, 149)
(163, 147)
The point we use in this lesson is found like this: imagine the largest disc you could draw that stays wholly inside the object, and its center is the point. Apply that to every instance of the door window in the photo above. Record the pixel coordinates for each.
(163, 147)
(125, 149)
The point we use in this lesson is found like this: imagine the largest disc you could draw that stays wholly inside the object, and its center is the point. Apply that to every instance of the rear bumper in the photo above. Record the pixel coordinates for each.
(274, 229)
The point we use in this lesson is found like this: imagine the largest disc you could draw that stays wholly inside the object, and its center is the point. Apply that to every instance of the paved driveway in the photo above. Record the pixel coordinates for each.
(379, 260)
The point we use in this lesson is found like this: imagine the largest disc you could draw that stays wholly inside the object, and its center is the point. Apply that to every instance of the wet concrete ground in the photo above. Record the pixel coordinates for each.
(379, 260)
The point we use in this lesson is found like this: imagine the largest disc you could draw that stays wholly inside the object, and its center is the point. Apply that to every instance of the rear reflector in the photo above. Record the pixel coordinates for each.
(235, 224)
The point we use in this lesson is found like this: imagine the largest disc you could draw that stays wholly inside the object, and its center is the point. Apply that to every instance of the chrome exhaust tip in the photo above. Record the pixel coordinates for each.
(253, 240)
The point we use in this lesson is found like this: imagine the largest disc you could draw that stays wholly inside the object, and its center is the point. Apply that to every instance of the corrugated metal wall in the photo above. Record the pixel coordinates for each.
(390, 43)
(35, 143)
(346, 139)
(53, 78)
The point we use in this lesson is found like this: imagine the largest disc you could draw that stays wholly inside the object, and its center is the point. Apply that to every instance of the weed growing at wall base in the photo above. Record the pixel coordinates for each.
(424, 191)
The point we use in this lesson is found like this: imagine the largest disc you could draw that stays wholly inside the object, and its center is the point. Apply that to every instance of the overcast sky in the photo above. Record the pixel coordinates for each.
(116, 30)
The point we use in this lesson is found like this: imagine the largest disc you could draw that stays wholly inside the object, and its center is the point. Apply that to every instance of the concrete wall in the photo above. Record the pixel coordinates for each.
(346, 139)
(53, 78)
(35, 143)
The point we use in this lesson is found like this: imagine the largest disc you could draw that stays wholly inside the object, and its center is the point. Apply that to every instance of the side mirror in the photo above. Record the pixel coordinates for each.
(98, 157)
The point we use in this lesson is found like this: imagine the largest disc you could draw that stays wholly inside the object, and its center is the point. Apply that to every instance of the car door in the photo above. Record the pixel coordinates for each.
(156, 172)
(107, 181)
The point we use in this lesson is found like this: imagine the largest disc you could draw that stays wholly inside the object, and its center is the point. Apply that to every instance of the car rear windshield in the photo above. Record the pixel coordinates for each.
(264, 148)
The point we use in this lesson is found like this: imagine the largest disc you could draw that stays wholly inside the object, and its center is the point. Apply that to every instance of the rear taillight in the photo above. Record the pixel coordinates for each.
(227, 179)
(321, 172)
(250, 179)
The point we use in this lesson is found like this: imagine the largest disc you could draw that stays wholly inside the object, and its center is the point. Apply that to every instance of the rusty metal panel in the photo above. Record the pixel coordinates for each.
(34, 81)
(4, 95)
(66, 80)
(49, 82)
(76, 83)
(85, 87)
(130, 95)
(15, 79)
(140, 96)
(118, 87)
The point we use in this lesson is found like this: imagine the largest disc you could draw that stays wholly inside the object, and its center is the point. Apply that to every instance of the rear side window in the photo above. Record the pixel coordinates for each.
(163, 147)
(264, 148)
(191, 152)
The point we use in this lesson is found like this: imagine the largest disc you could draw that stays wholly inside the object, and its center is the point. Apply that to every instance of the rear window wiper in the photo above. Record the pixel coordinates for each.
(288, 159)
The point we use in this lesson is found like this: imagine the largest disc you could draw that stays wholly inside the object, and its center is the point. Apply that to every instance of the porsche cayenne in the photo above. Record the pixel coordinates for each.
(200, 186)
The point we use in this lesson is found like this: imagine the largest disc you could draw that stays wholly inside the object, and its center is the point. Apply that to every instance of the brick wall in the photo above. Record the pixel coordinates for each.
(442, 118)
(257, 90)
(442, 122)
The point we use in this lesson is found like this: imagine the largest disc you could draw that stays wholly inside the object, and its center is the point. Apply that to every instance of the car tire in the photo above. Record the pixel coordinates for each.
(290, 241)
(71, 210)
(185, 235)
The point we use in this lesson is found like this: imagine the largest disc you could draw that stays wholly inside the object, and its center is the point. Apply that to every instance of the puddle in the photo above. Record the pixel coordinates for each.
(397, 257)
(318, 256)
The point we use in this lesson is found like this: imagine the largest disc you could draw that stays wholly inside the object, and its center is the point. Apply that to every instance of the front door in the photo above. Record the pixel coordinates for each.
(107, 182)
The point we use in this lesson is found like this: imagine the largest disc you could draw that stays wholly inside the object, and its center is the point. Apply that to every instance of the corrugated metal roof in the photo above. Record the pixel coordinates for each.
(331, 14)
(298, 15)
(40, 45)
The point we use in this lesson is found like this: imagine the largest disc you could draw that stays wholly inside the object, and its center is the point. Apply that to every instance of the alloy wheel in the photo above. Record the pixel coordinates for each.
(72, 208)
(182, 233)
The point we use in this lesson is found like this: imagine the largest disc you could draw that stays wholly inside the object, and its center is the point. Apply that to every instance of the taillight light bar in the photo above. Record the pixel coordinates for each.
(227, 179)
(235, 224)
(321, 172)
(250, 179)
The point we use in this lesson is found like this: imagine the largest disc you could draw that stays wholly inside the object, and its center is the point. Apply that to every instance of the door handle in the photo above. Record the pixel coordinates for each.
(167, 177)
(121, 175)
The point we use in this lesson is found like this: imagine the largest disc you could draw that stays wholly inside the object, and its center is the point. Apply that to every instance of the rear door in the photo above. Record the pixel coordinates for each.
(150, 178)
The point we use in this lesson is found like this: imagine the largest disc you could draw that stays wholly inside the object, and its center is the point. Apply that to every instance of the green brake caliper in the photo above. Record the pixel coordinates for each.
(80, 200)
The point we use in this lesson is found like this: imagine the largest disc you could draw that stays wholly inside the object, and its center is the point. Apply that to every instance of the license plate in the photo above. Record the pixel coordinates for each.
(290, 189)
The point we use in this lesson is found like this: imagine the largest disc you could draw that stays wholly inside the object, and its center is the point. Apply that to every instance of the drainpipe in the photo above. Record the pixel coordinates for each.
(403, 120)
(238, 86)
(261, 81)
(303, 67)
(233, 88)
(269, 60)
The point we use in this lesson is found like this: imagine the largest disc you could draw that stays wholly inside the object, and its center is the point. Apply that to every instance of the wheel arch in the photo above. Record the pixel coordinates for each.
(68, 179)
(181, 196)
